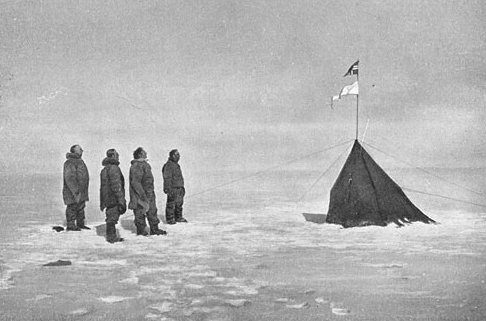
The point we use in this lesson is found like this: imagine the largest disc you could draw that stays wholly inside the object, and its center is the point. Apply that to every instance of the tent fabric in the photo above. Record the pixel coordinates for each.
(364, 194)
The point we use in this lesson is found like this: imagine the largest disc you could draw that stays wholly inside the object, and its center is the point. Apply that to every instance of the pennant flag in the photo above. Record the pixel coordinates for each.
(352, 89)
(353, 70)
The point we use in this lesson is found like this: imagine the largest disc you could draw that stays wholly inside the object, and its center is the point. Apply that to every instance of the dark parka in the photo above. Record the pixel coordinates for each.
(141, 183)
(112, 189)
(76, 179)
(171, 171)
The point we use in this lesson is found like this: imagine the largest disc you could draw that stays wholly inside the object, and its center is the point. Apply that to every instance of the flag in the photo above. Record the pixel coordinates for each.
(353, 70)
(352, 89)
(333, 99)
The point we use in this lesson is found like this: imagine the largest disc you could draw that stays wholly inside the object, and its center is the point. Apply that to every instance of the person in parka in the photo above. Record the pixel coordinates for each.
(75, 189)
(142, 194)
(174, 188)
(112, 193)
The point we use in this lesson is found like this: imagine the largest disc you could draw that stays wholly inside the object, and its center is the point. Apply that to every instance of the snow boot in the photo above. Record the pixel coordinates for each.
(154, 230)
(181, 220)
(141, 230)
(111, 236)
(80, 224)
(169, 216)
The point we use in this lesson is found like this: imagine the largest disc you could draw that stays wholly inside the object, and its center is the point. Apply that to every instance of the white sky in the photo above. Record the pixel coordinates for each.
(234, 83)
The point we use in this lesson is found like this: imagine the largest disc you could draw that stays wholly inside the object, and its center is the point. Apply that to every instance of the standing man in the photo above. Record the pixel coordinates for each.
(142, 194)
(75, 189)
(174, 188)
(112, 193)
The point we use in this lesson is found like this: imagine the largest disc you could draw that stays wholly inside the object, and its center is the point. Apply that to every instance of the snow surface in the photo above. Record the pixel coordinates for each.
(247, 255)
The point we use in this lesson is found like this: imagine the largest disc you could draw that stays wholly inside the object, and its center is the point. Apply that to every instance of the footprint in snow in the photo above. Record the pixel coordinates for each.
(79, 312)
(338, 309)
(321, 300)
(131, 280)
(152, 316)
(162, 308)
(114, 299)
(237, 303)
(282, 300)
(298, 306)
(40, 297)
(310, 291)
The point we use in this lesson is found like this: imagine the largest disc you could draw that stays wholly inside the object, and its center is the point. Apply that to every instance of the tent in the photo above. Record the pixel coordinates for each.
(364, 194)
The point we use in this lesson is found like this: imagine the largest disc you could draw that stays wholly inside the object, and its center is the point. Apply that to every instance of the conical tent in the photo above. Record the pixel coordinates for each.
(364, 194)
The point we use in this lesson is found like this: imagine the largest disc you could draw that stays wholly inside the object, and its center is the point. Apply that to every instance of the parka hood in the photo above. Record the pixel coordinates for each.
(139, 160)
(72, 155)
(109, 161)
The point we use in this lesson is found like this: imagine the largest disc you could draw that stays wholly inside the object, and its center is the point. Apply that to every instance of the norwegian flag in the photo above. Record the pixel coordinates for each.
(353, 70)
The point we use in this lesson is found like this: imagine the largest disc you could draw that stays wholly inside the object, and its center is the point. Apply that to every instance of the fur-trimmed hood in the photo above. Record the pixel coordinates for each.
(110, 161)
(139, 160)
(72, 155)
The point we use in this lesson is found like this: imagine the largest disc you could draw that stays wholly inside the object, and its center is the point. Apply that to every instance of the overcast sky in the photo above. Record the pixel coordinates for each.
(239, 84)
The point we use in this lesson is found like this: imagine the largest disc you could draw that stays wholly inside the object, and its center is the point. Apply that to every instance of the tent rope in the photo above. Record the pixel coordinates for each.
(427, 172)
(263, 171)
(268, 169)
(322, 175)
(442, 196)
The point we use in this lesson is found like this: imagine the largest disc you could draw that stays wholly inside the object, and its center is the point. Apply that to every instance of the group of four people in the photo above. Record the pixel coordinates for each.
(112, 191)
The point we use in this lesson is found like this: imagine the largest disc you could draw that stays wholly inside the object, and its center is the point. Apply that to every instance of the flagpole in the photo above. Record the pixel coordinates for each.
(353, 90)
(357, 104)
